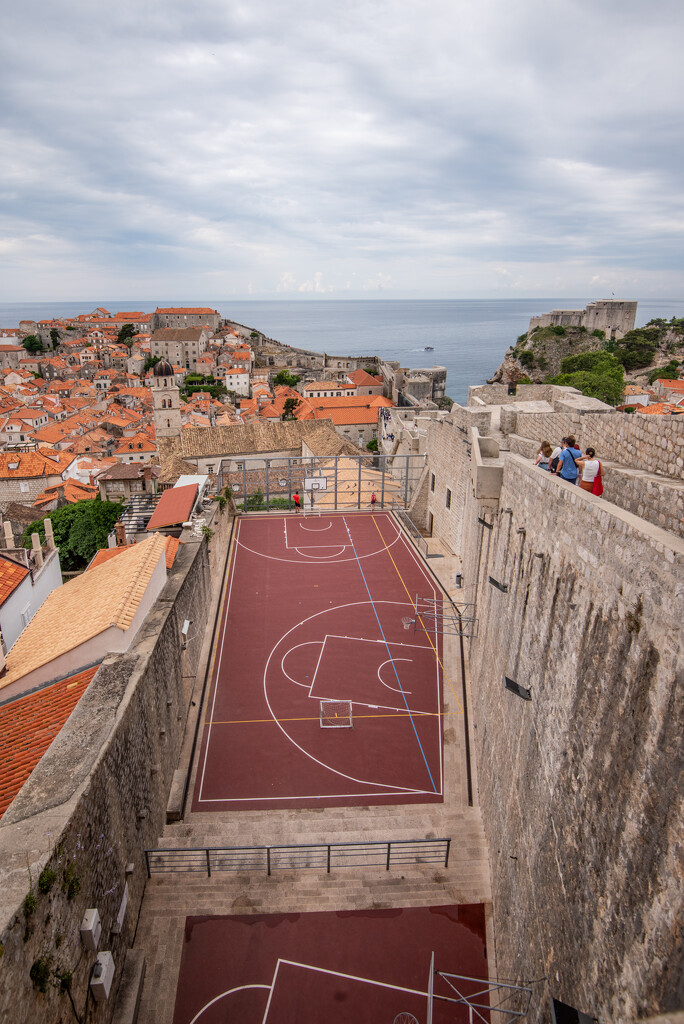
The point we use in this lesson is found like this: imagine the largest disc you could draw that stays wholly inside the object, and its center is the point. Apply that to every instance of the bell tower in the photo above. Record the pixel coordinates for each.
(165, 401)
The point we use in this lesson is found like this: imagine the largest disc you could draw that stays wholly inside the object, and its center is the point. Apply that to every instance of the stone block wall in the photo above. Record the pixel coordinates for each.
(652, 443)
(465, 417)
(95, 801)
(449, 470)
(580, 787)
(657, 499)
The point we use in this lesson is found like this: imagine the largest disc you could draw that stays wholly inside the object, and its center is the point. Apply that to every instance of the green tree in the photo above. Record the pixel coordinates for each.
(290, 380)
(54, 337)
(150, 362)
(596, 374)
(125, 335)
(32, 343)
(669, 372)
(79, 530)
(289, 408)
(372, 445)
(637, 348)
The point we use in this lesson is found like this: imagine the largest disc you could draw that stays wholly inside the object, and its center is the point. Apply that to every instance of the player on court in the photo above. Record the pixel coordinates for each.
(297, 501)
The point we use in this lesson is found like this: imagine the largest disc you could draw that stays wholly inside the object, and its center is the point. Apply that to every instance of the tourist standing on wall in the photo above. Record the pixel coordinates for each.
(544, 455)
(590, 468)
(567, 466)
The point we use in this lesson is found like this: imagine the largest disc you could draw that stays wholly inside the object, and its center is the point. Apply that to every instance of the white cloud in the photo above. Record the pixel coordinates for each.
(389, 145)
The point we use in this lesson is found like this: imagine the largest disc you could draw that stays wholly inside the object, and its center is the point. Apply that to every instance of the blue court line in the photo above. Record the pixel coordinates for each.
(377, 618)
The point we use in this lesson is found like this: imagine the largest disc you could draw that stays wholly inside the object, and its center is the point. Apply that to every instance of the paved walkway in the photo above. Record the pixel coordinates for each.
(169, 899)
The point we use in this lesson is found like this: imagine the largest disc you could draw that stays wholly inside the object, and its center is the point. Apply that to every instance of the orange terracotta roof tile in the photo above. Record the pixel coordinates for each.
(105, 554)
(111, 594)
(186, 309)
(71, 491)
(19, 465)
(28, 726)
(659, 409)
(11, 575)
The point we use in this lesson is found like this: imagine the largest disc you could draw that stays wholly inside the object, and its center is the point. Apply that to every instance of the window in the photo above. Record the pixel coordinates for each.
(23, 486)
(448, 498)
(432, 481)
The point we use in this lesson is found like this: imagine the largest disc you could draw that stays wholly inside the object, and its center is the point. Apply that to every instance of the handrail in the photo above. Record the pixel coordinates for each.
(163, 860)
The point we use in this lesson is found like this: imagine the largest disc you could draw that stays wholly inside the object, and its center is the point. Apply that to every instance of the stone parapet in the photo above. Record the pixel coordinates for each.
(654, 444)
(580, 603)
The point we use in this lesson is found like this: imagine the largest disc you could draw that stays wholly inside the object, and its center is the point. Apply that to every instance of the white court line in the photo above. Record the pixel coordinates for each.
(319, 796)
(331, 558)
(435, 593)
(310, 529)
(393, 661)
(439, 657)
(334, 974)
(307, 643)
(305, 554)
(343, 775)
(240, 988)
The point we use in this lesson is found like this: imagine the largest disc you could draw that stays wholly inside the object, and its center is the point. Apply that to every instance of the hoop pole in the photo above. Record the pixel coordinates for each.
(431, 988)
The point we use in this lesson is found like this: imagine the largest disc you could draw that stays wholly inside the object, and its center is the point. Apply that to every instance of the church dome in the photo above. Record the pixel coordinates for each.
(162, 369)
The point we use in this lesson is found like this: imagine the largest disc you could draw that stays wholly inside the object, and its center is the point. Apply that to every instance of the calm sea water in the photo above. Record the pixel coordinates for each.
(469, 337)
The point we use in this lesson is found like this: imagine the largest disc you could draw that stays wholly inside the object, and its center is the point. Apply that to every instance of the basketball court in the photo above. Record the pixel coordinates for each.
(327, 676)
(332, 968)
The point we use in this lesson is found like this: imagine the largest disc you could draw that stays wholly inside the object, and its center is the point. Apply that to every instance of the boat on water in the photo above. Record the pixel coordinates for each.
(429, 348)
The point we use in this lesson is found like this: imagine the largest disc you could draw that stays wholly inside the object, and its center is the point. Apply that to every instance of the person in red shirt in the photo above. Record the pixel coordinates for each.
(373, 499)
(297, 501)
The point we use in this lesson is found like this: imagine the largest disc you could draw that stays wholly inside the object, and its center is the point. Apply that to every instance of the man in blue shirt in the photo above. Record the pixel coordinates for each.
(567, 466)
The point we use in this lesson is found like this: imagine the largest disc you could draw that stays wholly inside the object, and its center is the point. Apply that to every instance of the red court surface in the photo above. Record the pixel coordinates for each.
(316, 608)
(331, 968)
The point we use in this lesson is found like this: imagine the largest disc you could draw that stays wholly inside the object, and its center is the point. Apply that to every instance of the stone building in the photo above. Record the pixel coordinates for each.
(181, 317)
(181, 346)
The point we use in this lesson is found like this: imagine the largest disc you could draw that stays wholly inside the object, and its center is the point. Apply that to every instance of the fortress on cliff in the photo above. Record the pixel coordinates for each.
(612, 316)
(569, 829)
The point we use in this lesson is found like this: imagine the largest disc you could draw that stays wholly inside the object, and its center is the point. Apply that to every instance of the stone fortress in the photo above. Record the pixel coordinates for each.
(572, 738)
(613, 316)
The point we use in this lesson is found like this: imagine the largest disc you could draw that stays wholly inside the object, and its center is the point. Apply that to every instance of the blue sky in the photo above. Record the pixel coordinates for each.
(295, 149)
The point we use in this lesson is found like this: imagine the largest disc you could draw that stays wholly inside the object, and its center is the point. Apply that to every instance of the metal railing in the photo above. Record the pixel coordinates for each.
(411, 528)
(321, 856)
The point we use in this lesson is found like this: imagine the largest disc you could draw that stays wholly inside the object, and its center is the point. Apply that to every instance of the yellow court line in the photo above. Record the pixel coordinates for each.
(398, 714)
(403, 583)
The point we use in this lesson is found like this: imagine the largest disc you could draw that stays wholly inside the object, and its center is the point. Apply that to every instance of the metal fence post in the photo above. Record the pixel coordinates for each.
(389, 854)
(208, 862)
(268, 859)
(328, 858)
(448, 848)
(147, 863)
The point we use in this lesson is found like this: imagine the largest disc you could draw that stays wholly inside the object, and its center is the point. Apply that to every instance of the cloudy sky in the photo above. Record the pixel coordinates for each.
(286, 148)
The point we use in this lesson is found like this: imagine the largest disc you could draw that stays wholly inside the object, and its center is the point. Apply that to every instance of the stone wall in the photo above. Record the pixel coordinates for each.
(96, 800)
(498, 394)
(581, 787)
(449, 471)
(657, 499)
(652, 443)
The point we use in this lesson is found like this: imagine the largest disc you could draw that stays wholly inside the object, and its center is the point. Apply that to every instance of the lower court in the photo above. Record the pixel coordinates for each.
(320, 609)
(334, 968)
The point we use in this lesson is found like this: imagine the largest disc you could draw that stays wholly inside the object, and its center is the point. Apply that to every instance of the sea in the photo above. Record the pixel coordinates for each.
(467, 336)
